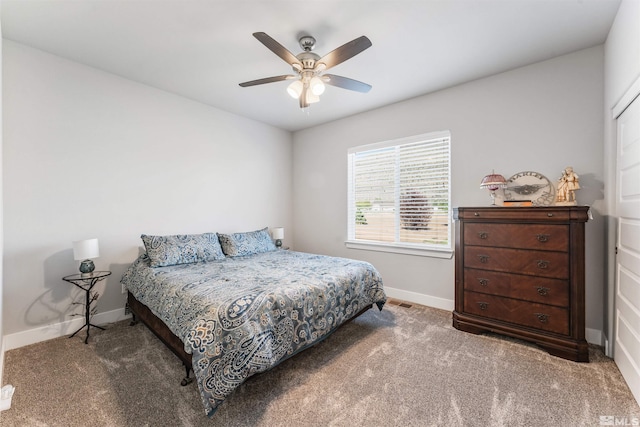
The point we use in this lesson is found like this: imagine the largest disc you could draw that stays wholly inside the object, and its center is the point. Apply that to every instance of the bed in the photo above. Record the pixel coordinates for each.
(231, 313)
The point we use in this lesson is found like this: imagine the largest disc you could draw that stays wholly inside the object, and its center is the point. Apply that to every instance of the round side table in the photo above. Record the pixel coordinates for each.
(86, 282)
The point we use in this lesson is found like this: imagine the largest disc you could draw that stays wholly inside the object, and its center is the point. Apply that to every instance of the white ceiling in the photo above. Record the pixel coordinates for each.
(203, 49)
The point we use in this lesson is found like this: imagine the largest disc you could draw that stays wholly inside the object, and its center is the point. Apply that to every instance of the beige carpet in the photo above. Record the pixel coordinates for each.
(401, 366)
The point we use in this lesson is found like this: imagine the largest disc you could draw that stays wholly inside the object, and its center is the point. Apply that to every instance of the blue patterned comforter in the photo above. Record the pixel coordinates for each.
(244, 315)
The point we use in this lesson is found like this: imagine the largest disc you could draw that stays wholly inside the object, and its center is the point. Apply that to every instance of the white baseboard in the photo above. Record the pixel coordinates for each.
(414, 297)
(593, 336)
(43, 333)
(47, 332)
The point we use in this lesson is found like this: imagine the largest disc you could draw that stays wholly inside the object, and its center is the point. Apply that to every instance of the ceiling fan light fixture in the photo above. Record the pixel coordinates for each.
(295, 89)
(312, 98)
(317, 86)
(309, 82)
(319, 67)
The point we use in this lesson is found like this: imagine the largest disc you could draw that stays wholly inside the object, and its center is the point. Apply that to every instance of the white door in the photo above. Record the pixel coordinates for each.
(627, 284)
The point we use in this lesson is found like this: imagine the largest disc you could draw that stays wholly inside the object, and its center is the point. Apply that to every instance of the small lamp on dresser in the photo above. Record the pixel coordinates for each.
(493, 182)
(278, 235)
(84, 251)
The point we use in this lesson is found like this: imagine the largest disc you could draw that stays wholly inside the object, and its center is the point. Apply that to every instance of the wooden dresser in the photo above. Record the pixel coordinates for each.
(520, 272)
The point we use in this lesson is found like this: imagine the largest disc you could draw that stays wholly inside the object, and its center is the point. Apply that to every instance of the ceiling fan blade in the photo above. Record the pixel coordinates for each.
(345, 83)
(268, 80)
(346, 51)
(277, 48)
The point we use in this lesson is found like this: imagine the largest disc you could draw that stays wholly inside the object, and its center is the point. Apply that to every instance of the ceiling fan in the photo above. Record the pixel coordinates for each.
(309, 82)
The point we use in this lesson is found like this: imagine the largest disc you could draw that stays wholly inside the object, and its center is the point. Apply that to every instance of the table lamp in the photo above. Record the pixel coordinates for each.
(278, 235)
(84, 250)
(493, 182)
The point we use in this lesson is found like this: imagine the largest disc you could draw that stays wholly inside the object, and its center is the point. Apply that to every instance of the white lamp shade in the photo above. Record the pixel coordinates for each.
(295, 89)
(317, 86)
(85, 249)
(312, 98)
(278, 233)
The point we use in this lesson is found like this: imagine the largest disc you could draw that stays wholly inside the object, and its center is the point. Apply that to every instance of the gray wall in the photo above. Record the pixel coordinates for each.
(541, 118)
(89, 154)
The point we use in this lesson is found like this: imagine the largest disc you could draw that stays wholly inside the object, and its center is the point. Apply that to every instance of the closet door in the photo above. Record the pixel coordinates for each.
(627, 282)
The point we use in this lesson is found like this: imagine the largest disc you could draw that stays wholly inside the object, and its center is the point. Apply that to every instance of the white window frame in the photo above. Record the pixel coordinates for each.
(420, 249)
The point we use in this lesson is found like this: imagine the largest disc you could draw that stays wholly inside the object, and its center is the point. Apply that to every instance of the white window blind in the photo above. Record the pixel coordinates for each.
(399, 193)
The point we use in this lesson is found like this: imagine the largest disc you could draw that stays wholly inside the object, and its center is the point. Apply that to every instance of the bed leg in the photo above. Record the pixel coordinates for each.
(134, 321)
(186, 380)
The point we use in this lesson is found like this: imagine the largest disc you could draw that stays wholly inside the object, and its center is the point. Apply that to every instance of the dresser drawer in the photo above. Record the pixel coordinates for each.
(529, 288)
(517, 214)
(524, 236)
(537, 263)
(538, 316)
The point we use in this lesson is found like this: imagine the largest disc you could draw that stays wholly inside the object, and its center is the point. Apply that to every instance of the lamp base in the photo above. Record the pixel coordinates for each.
(87, 267)
(278, 243)
(493, 198)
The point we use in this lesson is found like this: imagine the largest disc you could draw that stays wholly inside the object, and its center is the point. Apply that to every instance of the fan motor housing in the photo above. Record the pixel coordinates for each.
(308, 59)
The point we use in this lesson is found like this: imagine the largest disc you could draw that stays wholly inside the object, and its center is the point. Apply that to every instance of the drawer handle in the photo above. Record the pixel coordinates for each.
(476, 214)
(483, 305)
(549, 214)
(542, 237)
(483, 258)
(483, 235)
(542, 264)
(543, 291)
(543, 318)
(483, 282)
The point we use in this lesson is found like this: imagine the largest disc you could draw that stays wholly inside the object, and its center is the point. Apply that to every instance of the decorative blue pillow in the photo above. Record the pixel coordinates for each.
(182, 249)
(249, 243)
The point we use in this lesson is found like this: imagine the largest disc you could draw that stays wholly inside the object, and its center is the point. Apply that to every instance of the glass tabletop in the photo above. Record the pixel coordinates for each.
(87, 276)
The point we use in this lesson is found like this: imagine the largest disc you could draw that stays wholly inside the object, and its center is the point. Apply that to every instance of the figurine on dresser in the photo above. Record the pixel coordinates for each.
(567, 185)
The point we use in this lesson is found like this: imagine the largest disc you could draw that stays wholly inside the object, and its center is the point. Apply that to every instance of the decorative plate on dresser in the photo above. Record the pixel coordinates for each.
(520, 272)
(532, 186)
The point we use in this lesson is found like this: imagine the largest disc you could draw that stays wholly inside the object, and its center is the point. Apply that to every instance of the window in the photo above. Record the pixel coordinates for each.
(399, 196)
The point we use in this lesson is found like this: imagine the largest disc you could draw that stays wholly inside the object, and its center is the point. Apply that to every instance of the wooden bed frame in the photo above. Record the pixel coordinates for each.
(141, 312)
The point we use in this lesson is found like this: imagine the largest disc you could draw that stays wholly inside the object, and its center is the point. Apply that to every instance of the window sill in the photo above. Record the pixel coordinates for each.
(400, 249)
